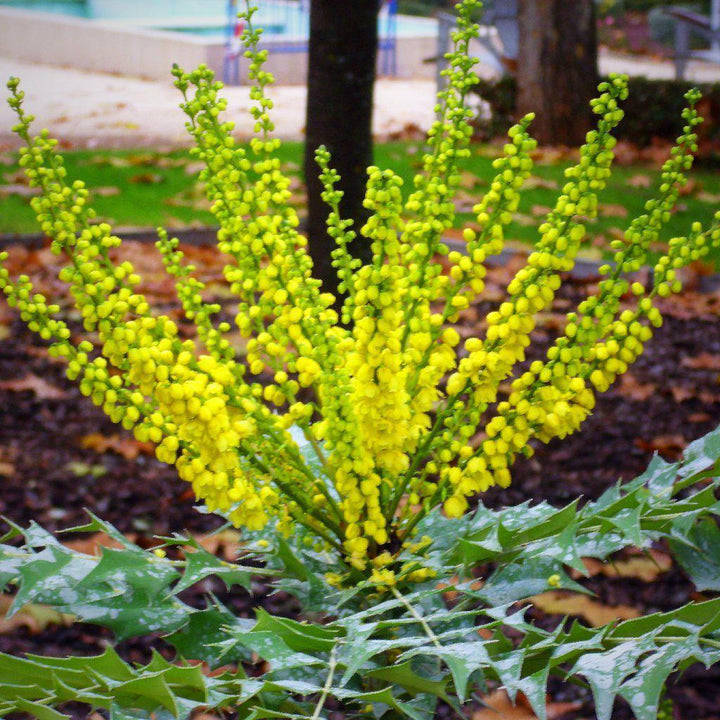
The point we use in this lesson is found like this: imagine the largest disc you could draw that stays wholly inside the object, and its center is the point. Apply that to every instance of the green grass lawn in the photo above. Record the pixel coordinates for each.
(147, 189)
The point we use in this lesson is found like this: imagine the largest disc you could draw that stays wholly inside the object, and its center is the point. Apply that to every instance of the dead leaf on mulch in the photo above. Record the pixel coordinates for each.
(646, 567)
(499, 707)
(91, 544)
(43, 390)
(224, 544)
(561, 602)
(700, 417)
(669, 446)
(691, 305)
(682, 392)
(703, 361)
(33, 617)
(126, 446)
(630, 387)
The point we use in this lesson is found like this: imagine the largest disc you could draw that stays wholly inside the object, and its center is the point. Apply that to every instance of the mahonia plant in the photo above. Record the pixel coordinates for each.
(383, 391)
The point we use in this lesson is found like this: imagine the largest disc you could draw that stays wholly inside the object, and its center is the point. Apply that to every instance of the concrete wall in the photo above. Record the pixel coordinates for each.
(104, 47)
(97, 46)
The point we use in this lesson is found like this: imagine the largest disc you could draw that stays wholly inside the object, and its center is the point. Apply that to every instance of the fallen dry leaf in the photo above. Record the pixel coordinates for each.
(499, 707)
(540, 210)
(707, 197)
(225, 544)
(690, 187)
(107, 191)
(626, 153)
(147, 178)
(699, 417)
(91, 544)
(670, 446)
(640, 181)
(681, 392)
(525, 220)
(612, 210)
(18, 190)
(704, 361)
(193, 168)
(33, 617)
(630, 387)
(645, 567)
(470, 180)
(553, 154)
(126, 446)
(537, 182)
(43, 390)
(561, 602)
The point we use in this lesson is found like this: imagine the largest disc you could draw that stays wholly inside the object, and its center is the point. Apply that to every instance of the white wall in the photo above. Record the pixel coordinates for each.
(103, 47)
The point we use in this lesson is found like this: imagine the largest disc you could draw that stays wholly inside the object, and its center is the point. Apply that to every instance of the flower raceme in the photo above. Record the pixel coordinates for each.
(382, 391)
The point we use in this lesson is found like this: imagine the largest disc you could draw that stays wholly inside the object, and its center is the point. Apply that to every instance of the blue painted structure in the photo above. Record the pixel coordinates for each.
(288, 23)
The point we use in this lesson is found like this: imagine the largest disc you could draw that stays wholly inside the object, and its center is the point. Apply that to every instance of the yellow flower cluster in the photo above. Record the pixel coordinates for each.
(354, 424)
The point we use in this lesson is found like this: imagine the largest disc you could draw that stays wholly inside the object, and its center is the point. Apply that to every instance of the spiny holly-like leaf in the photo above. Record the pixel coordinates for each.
(415, 643)
(699, 555)
(606, 671)
(526, 524)
(39, 710)
(643, 690)
(200, 564)
(404, 675)
(159, 688)
(129, 590)
(462, 659)
(205, 637)
(146, 574)
(273, 649)
(701, 455)
(298, 636)
(524, 579)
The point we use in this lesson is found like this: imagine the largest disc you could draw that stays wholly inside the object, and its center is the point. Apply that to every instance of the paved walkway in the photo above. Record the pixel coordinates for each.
(97, 110)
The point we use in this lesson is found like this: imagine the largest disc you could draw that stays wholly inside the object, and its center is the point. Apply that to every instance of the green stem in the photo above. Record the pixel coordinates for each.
(423, 623)
(327, 686)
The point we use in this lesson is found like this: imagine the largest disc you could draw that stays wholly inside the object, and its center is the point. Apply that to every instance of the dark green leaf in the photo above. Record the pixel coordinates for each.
(606, 671)
(519, 581)
(701, 564)
(402, 674)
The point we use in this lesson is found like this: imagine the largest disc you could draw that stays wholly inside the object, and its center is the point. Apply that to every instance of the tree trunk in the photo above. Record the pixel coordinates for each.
(557, 68)
(341, 76)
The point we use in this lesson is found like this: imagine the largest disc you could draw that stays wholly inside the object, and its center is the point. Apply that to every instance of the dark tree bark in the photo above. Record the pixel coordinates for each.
(557, 67)
(341, 76)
